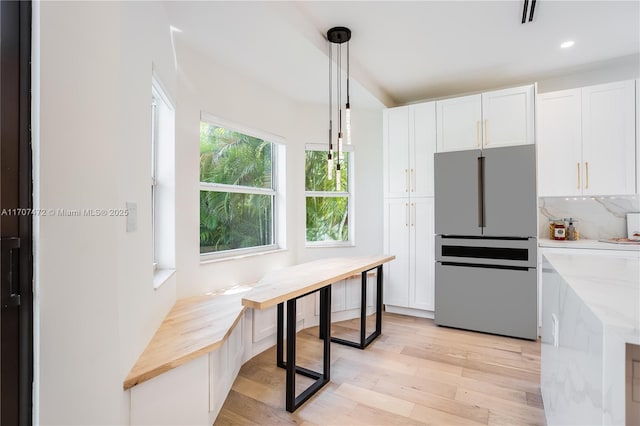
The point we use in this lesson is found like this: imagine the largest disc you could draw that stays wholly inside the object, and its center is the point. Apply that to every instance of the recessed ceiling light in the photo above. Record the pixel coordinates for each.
(567, 44)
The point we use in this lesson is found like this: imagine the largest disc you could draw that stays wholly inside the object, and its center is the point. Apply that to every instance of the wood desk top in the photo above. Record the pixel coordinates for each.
(297, 280)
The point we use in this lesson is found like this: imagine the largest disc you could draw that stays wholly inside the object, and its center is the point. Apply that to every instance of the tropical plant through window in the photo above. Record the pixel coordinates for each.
(237, 192)
(327, 207)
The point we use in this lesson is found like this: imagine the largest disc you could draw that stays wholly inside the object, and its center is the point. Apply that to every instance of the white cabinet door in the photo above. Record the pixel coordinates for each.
(396, 151)
(421, 289)
(396, 242)
(559, 143)
(422, 119)
(608, 139)
(508, 117)
(459, 123)
(638, 136)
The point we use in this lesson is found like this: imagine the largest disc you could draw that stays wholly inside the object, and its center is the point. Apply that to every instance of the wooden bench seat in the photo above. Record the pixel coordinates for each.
(193, 327)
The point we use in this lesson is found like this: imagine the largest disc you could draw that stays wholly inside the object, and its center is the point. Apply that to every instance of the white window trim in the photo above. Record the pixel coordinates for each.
(349, 194)
(277, 219)
(163, 182)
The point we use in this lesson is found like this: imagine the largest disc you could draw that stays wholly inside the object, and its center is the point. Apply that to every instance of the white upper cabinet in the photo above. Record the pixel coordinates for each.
(396, 151)
(638, 136)
(409, 144)
(487, 120)
(586, 141)
(508, 117)
(559, 143)
(421, 148)
(459, 123)
(608, 138)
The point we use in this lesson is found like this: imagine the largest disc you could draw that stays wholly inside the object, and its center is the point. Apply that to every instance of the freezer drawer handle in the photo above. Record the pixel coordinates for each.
(497, 253)
(473, 265)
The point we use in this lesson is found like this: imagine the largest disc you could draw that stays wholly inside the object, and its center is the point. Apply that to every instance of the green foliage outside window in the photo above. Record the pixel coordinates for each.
(328, 213)
(229, 219)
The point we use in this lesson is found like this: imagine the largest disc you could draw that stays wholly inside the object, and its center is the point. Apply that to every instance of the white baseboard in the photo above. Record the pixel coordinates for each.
(408, 311)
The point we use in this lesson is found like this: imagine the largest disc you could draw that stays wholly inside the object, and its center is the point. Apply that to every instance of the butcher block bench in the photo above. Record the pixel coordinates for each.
(194, 326)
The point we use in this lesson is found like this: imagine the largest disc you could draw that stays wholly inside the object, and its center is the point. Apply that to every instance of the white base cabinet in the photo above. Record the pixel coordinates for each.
(193, 393)
(409, 235)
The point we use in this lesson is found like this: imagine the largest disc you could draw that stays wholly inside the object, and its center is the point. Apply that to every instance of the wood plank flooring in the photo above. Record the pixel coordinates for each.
(416, 373)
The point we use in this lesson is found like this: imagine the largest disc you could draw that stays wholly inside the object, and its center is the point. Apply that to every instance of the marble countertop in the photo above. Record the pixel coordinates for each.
(587, 244)
(609, 286)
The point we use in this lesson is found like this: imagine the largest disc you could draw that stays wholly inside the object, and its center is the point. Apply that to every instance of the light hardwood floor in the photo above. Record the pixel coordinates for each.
(415, 373)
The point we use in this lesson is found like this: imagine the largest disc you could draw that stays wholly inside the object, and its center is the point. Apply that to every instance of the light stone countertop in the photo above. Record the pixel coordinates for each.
(587, 244)
(608, 285)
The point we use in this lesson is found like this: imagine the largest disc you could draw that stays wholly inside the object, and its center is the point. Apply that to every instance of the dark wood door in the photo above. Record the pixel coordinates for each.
(16, 269)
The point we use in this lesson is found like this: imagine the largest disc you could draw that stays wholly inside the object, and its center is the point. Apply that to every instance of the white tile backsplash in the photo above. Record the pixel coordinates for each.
(597, 217)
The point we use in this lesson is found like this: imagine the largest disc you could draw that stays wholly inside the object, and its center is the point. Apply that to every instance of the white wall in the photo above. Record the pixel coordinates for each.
(367, 141)
(618, 69)
(205, 85)
(97, 307)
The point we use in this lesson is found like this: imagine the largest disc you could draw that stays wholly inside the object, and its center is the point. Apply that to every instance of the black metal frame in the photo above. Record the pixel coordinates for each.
(364, 340)
(321, 379)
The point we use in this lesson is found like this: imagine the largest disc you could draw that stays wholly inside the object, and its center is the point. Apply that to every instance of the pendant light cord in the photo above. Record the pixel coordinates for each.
(348, 60)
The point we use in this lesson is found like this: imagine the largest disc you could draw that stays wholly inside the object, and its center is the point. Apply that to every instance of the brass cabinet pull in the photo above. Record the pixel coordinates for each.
(578, 164)
(413, 213)
(406, 184)
(586, 167)
(413, 181)
(478, 133)
(406, 209)
(486, 133)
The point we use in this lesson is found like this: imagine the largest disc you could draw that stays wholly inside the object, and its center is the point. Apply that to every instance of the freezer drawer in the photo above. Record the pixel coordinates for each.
(487, 251)
(491, 299)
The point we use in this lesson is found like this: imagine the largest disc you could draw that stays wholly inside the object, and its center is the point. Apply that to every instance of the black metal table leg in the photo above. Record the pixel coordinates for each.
(291, 401)
(366, 340)
(280, 337)
(291, 356)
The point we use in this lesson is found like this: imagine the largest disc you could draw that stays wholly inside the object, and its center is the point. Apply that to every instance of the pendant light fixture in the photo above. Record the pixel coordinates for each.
(337, 36)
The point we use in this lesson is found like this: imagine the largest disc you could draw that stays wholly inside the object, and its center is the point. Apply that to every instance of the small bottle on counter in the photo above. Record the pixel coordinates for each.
(571, 231)
(559, 230)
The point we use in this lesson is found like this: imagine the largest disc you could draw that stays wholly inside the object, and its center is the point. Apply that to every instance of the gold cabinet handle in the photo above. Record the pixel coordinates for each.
(406, 183)
(486, 133)
(406, 207)
(413, 182)
(413, 213)
(478, 133)
(578, 164)
(586, 169)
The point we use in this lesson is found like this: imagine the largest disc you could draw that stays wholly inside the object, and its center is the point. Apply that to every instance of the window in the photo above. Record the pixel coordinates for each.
(162, 182)
(328, 209)
(237, 189)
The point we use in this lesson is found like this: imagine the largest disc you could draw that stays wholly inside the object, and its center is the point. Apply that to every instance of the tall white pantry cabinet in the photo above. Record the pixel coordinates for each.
(409, 142)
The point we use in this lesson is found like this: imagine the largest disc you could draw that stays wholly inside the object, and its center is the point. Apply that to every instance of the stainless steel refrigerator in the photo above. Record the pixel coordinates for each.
(485, 224)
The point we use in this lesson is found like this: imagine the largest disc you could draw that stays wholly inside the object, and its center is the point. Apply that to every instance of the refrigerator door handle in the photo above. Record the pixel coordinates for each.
(481, 192)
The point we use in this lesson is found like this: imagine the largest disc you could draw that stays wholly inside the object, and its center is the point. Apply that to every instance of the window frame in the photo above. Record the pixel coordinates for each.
(162, 182)
(277, 143)
(349, 194)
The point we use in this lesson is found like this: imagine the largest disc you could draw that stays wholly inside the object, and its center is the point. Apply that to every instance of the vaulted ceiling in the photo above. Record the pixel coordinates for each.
(403, 52)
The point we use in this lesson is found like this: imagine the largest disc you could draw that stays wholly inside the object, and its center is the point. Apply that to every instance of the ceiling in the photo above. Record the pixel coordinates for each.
(402, 52)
